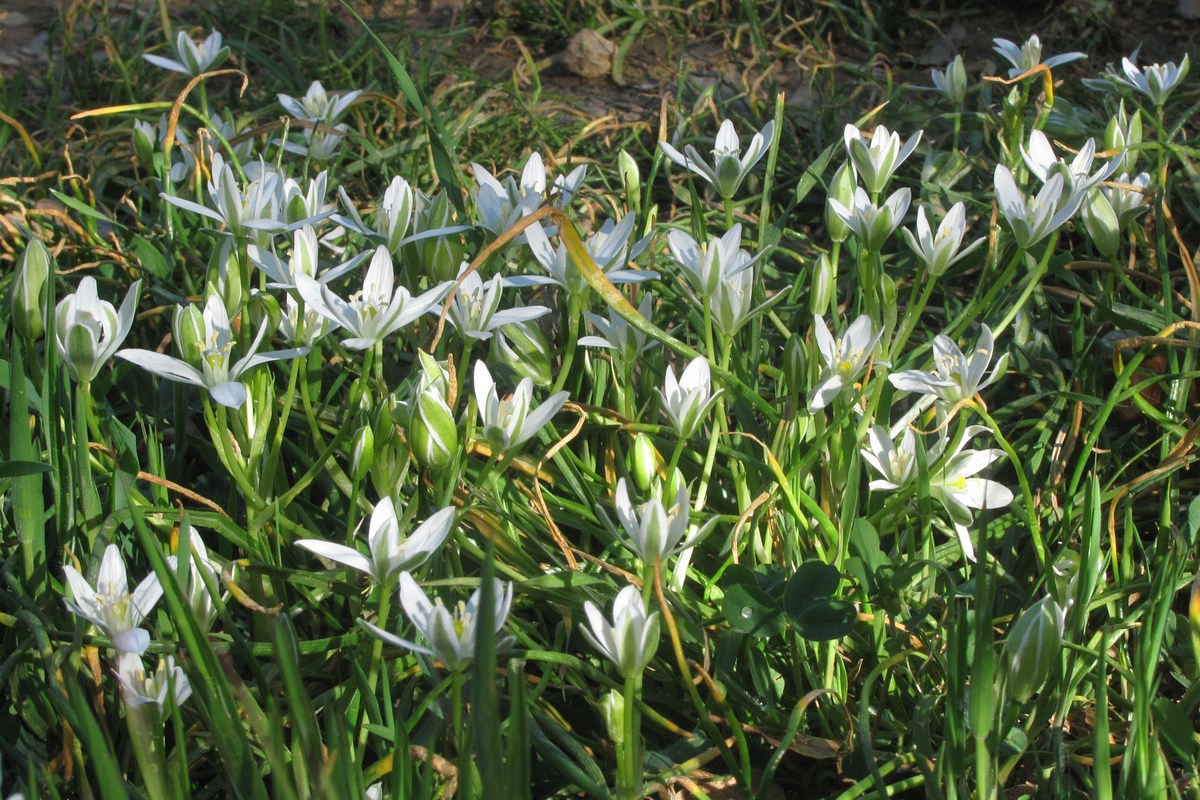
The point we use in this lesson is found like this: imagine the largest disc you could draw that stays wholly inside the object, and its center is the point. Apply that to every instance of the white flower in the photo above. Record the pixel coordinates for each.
(939, 250)
(391, 554)
(193, 585)
(630, 640)
(475, 308)
(730, 165)
(510, 422)
(303, 260)
(1126, 201)
(110, 606)
(616, 334)
(377, 311)
(896, 464)
(1043, 163)
(1155, 81)
(706, 265)
(88, 330)
(654, 531)
(500, 205)
(687, 400)
(451, 635)
(953, 82)
(954, 377)
(845, 358)
(871, 223)
(1035, 217)
(193, 59)
(138, 688)
(876, 159)
(215, 343)
(958, 492)
(251, 213)
(609, 247)
(1027, 56)
(317, 105)
(732, 303)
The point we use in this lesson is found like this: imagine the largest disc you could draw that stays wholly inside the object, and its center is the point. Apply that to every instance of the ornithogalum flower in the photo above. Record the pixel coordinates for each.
(193, 582)
(875, 159)
(953, 82)
(1077, 175)
(215, 343)
(317, 105)
(1027, 56)
(1034, 217)
(500, 205)
(707, 264)
(941, 249)
(730, 165)
(391, 553)
(845, 358)
(609, 247)
(139, 688)
(616, 334)
(687, 400)
(954, 487)
(1155, 81)
(451, 634)
(871, 223)
(251, 212)
(509, 422)
(110, 606)
(432, 432)
(654, 530)
(896, 464)
(475, 310)
(629, 641)
(303, 260)
(88, 330)
(955, 377)
(193, 59)
(377, 311)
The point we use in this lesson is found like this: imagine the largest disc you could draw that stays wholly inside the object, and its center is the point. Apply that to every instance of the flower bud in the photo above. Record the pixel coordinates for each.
(363, 453)
(841, 188)
(953, 82)
(891, 309)
(437, 257)
(395, 213)
(29, 299)
(824, 284)
(523, 348)
(432, 431)
(612, 710)
(795, 366)
(1033, 645)
(1123, 134)
(263, 309)
(230, 286)
(643, 462)
(1101, 223)
(631, 179)
(189, 330)
(145, 142)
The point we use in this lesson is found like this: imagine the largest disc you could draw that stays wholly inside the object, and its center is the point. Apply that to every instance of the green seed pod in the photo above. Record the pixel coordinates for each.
(523, 348)
(1033, 646)
(841, 188)
(643, 462)
(29, 291)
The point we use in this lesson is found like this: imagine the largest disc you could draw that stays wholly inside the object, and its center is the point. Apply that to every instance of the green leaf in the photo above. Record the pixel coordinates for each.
(1193, 521)
(751, 610)
(813, 581)
(19, 469)
(825, 620)
(150, 257)
(85, 209)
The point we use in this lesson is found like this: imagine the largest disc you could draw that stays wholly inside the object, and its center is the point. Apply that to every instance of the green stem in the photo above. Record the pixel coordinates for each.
(146, 735)
(381, 620)
(629, 755)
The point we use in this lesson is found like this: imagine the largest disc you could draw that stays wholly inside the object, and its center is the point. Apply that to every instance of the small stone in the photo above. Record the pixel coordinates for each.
(589, 55)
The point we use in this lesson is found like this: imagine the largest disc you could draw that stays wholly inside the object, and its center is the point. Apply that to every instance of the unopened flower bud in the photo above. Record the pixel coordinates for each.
(263, 309)
(824, 283)
(523, 348)
(631, 179)
(612, 710)
(145, 142)
(795, 366)
(643, 462)
(363, 453)
(887, 288)
(841, 188)
(1101, 223)
(29, 291)
(189, 330)
(437, 257)
(1123, 134)
(1033, 645)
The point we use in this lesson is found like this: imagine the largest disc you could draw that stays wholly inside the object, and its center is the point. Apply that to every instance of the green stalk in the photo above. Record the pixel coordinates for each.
(146, 735)
(90, 497)
(381, 621)
(629, 754)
